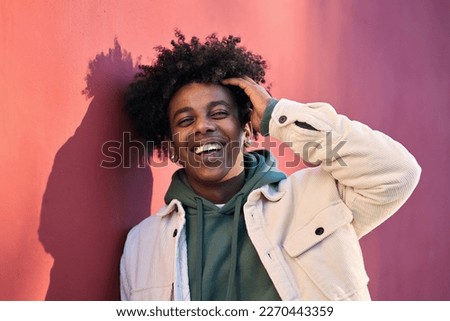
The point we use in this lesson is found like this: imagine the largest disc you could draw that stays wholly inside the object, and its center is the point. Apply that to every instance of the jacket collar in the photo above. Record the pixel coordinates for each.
(269, 192)
(174, 207)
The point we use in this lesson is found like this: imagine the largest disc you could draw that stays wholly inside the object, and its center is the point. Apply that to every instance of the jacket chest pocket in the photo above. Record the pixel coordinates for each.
(327, 249)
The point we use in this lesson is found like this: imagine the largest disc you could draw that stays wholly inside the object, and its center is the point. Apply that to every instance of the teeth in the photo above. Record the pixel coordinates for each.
(210, 147)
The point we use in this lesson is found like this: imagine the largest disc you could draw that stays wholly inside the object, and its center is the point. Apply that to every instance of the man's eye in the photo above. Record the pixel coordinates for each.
(185, 121)
(219, 114)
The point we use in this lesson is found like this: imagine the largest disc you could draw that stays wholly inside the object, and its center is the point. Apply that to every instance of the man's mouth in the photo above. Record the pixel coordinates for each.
(208, 148)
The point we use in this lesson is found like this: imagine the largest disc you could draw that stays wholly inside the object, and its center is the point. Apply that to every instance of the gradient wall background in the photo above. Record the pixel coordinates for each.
(63, 69)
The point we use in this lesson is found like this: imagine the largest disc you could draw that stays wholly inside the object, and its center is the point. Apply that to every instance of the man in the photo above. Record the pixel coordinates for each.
(234, 227)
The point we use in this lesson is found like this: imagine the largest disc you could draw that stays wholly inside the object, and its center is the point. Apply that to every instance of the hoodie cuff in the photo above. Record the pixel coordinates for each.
(264, 126)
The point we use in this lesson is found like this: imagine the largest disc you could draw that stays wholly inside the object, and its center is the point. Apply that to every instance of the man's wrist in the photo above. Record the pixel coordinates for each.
(264, 126)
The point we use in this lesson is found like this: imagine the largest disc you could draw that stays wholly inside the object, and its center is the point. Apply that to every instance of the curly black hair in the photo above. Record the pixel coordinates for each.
(148, 96)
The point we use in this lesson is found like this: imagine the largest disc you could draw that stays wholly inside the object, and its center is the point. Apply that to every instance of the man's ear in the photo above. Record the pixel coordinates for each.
(248, 134)
(171, 149)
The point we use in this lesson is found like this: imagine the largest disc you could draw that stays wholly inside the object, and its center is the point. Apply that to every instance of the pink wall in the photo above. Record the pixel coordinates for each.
(63, 218)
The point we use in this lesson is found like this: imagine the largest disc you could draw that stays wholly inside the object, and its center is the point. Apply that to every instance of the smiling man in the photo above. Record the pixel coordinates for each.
(234, 227)
(209, 139)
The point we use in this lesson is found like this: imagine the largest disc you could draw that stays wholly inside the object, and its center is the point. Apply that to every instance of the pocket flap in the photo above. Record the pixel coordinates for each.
(321, 226)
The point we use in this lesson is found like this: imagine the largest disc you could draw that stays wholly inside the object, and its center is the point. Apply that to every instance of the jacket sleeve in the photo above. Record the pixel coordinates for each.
(374, 174)
(124, 287)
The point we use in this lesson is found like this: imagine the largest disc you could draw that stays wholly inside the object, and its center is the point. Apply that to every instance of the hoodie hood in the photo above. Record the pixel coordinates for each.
(219, 233)
(260, 169)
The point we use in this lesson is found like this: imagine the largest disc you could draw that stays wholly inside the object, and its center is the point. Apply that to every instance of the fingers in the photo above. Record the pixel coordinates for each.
(243, 82)
(250, 87)
(257, 93)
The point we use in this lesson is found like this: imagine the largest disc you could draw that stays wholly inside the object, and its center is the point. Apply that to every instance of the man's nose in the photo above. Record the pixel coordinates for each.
(205, 125)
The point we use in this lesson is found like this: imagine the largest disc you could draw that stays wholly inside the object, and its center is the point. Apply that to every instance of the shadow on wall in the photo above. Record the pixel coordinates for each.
(88, 209)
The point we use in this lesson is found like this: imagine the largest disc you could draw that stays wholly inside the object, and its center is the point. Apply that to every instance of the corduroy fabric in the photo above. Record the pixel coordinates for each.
(363, 178)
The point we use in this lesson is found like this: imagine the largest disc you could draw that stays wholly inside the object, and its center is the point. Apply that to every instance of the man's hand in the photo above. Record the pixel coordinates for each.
(258, 96)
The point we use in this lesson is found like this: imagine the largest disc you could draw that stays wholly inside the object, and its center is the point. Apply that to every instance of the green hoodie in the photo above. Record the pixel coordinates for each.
(222, 261)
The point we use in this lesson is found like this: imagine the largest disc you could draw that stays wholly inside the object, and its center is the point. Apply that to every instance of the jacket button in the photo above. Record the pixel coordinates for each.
(282, 119)
(175, 232)
(319, 231)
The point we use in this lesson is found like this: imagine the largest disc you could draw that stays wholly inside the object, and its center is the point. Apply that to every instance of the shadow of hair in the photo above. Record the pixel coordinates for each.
(87, 209)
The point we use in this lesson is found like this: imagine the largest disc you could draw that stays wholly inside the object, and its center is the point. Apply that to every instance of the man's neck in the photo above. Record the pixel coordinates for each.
(219, 193)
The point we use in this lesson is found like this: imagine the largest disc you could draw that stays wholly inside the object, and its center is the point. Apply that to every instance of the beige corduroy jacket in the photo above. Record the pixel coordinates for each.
(306, 230)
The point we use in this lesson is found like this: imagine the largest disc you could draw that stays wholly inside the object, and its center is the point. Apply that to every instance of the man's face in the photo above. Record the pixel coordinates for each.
(207, 136)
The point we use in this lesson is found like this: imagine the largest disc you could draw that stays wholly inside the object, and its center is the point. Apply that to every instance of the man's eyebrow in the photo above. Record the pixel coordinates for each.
(182, 110)
(219, 102)
(211, 104)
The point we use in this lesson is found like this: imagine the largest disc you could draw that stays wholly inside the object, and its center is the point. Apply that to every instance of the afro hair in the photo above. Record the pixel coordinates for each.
(148, 96)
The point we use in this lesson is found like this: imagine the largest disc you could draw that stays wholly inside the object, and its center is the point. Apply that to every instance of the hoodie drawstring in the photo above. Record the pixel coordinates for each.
(199, 247)
(234, 243)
